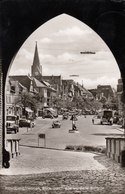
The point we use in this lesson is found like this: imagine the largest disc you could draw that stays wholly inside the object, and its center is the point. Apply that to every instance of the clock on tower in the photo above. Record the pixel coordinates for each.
(36, 73)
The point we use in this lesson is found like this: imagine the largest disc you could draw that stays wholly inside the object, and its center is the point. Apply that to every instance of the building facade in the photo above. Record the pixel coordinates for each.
(119, 97)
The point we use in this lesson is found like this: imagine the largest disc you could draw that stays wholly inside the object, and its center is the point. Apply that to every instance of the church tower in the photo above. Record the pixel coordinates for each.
(36, 70)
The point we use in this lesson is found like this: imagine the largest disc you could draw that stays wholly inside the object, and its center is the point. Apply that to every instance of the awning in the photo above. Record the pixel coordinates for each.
(28, 110)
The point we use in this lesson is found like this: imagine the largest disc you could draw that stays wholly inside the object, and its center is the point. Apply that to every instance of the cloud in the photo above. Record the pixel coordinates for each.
(26, 54)
(60, 42)
(46, 58)
(20, 72)
(65, 57)
(93, 83)
(46, 40)
(75, 31)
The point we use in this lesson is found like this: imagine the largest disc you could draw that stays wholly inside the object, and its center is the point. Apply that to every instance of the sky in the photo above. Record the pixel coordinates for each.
(59, 42)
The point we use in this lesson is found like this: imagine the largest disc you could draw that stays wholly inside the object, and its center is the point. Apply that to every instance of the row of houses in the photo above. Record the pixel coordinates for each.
(16, 85)
(108, 92)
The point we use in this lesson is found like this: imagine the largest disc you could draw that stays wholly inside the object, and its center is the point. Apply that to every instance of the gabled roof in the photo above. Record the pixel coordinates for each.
(22, 86)
(49, 86)
(13, 83)
(24, 80)
(38, 83)
(105, 87)
(46, 83)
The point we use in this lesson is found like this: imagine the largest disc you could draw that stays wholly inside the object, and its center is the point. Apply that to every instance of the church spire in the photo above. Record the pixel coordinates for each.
(36, 67)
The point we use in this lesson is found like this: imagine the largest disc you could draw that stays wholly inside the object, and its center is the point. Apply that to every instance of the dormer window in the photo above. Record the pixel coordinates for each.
(12, 90)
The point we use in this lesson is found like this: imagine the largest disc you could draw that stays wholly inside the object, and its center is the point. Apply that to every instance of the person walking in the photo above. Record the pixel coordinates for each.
(93, 121)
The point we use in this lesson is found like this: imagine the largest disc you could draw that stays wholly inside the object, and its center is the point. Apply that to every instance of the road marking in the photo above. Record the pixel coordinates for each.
(82, 137)
(43, 128)
(86, 140)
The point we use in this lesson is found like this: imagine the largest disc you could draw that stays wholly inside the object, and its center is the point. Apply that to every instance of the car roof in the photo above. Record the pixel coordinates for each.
(10, 121)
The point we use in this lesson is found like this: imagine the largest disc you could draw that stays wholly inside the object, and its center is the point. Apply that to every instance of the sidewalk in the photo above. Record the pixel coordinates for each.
(118, 127)
(41, 160)
(52, 172)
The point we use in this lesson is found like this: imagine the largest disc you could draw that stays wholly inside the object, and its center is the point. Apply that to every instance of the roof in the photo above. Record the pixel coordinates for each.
(24, 80)
(69, 81)
(36, 61)
(22, 86)
(28, 109)
(46, 83)
(38, 83)
(51, 76)
(49, 86)
(104, 86)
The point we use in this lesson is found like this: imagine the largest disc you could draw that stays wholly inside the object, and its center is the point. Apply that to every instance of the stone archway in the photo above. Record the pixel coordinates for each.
(19, 19)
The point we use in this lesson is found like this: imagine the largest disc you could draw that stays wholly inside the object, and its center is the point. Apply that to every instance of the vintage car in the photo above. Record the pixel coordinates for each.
(26, 123)
(56, 124)
(49, 115)
(11, 124)
(65, 115)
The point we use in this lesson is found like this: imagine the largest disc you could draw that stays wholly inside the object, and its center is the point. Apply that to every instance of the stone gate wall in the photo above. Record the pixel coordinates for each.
(1, 114)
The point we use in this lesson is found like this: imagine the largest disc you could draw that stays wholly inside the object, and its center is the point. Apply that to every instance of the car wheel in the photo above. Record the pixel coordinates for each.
(6, 164)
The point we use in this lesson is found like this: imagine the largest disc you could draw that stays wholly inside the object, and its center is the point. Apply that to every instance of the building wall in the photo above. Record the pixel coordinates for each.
(105, 91)
(12, 38)
(54, 81)
(1, 116)
(119, 95)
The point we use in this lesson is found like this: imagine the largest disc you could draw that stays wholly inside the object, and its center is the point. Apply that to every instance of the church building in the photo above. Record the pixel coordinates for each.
(54, 82)
(49, 83)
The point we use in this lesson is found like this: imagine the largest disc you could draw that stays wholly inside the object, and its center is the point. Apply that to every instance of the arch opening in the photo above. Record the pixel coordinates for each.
(66, 56)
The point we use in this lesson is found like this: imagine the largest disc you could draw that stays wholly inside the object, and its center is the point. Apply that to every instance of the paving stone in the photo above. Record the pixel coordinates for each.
(110, 179)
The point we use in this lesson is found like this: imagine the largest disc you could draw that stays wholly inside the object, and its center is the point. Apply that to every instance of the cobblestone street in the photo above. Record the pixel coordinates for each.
(105, 176)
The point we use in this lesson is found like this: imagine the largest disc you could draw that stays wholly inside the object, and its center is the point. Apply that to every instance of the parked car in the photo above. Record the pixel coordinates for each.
(26, 123)
(48, 116)
(56, 124)
(11, 124)
(65, 115)
(49, 113)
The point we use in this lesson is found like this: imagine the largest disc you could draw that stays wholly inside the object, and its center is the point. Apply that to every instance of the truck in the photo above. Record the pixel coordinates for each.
(12, 124)
(106, 117)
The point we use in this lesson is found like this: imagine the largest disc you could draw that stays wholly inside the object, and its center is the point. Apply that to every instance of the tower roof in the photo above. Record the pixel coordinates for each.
(36, 70)
(36, 61)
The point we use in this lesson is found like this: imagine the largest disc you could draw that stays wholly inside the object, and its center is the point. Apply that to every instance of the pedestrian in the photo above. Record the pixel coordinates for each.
(93, 121)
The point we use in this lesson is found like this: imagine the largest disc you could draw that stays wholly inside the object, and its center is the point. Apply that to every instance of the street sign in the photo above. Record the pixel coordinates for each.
(42, 136)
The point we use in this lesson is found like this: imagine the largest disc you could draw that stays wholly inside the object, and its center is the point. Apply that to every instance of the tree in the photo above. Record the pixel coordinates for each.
(38, 97)
(26, 100)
